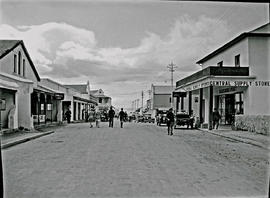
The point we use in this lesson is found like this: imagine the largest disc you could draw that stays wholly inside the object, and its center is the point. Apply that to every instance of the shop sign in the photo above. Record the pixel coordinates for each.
(227, 90)
(59, 96)
(218, 83)
(179, 94)
(41, 118)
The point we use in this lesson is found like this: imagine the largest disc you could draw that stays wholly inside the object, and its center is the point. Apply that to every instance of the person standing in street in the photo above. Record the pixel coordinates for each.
(68, 115)
(91, 116)
(170, 121)
(111, 114)
(97, 117)
(216, 118)
(122, 117)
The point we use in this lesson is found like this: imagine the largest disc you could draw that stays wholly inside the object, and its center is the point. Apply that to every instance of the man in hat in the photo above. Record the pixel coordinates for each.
(111, 114)
(122, 117)
(170, 121)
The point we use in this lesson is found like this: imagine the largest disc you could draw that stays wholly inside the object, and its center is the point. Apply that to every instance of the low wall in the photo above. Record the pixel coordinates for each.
(253, 123)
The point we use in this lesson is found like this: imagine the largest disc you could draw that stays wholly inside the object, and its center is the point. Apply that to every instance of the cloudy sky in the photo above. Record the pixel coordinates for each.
(123, 46)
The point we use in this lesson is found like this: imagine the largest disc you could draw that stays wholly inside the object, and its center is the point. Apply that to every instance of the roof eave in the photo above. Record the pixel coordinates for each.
(230, 43)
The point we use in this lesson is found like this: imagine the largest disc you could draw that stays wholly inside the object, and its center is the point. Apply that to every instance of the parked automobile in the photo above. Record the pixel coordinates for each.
(149, 119)
(140, 118)
(161, 117)
(183, 119)
(104, 118)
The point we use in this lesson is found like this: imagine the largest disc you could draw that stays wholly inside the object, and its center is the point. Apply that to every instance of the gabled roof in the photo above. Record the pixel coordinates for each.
(6, 46)
(82, 88)
(262, 31)
(94, 92)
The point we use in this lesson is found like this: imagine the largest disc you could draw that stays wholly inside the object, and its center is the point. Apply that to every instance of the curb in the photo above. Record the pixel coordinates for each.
(237, 139)
(10, 144)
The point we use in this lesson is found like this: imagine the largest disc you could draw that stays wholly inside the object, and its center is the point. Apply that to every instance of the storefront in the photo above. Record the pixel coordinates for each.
(213, 87)
(8, 92)
(46, 105)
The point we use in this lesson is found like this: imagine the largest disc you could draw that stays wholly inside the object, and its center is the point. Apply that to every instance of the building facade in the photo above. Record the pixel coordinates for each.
(235, 80)
(160, 98)
(18, 79)
(79, 100)
(104, 102)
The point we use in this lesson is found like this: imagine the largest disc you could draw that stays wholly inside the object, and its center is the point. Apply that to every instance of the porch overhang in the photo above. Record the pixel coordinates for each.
(218, 81)
(215, 76)
(84, 100)
(9, 85)
(57, 95)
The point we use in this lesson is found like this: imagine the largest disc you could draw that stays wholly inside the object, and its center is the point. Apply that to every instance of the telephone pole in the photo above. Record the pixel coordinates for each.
(142, 101)
(171, 68)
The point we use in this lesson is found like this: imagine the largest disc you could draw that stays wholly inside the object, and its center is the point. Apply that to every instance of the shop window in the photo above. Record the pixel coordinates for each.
(220, 64)
(239, 103)
(15, 63)
(237, 60)
(49, 107)
(19, 63)
(23, 68)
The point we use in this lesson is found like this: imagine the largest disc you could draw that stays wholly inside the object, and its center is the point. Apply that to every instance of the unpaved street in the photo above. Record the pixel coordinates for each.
(139, 160)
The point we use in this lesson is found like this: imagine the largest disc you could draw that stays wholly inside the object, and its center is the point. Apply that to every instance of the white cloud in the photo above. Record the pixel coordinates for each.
(56, 45)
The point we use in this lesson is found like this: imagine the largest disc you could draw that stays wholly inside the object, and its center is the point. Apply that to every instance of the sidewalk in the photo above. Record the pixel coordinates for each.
(18, 137)
(247, 137)
(7, 142)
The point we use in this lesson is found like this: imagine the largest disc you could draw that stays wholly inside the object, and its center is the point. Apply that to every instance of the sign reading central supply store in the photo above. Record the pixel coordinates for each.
(218, 83)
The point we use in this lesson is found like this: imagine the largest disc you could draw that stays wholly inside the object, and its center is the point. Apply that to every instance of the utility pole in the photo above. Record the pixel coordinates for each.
(142, 101)
(171, 68)
(149, 93)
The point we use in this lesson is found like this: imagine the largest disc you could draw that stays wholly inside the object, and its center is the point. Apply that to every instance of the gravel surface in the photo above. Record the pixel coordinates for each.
(139, 160)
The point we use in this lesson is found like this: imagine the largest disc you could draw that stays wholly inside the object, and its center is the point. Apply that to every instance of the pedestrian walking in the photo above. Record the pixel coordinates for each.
(68, 115)
(111, 114)
(91, 116)
(170, 121)
(216, 118)
(97, 117)
(122, 116)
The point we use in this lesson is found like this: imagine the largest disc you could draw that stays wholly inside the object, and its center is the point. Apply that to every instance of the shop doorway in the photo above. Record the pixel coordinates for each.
(226, 106)
(229, 108)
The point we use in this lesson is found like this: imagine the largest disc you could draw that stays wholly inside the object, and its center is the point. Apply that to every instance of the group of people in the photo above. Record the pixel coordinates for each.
(171, 120)
(95, 116)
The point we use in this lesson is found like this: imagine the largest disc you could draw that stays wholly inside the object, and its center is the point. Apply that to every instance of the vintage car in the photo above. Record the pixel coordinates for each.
(182, 119)
(161, 117)
(148, 118)
(140, 118)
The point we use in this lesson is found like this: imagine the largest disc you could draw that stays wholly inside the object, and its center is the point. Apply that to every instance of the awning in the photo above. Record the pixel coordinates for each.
(84, 100)
(57, 94)
(8, 85)
(218, 81)
(179, 93)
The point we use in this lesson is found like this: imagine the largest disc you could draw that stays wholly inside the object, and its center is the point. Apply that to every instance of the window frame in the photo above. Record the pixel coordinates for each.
(237, 60)
(15, 63)
(19, 62)
(220, 64)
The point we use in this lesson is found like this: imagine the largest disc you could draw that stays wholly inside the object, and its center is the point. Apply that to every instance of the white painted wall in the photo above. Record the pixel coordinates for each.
(259, 97)
(7, 64)
(254, 53)
(228, 55)
(23, 95)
